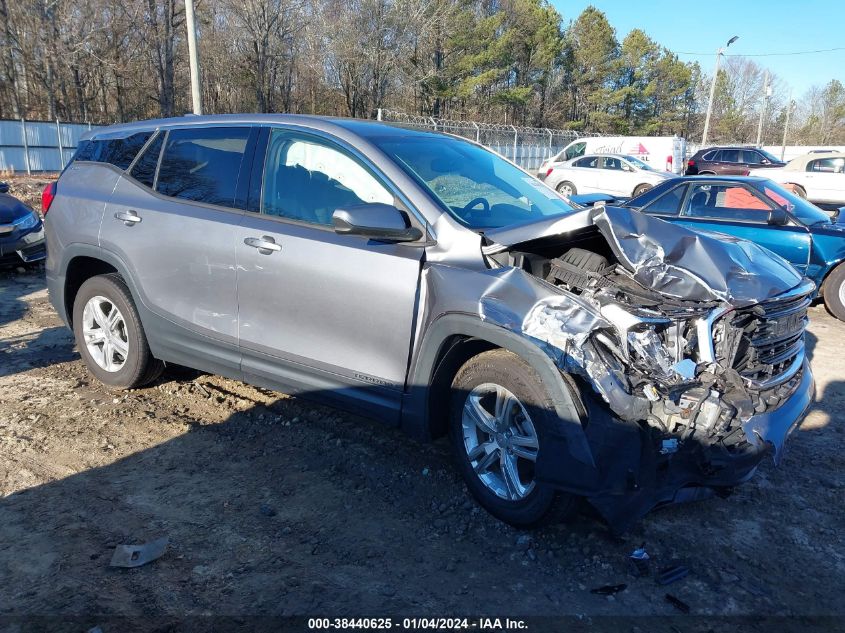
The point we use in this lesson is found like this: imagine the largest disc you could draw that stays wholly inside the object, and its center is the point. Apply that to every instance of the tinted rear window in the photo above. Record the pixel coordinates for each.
(729, 156)
(119, 152)
(144, 170)
(202, 164)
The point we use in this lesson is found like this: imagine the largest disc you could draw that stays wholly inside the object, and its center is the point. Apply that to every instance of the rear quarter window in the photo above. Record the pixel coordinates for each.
(119, 152)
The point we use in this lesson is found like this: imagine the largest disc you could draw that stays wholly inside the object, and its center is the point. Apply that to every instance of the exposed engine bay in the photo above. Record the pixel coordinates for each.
(691, 370)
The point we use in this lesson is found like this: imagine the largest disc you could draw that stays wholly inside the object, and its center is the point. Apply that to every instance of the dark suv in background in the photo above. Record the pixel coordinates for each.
(730, 161)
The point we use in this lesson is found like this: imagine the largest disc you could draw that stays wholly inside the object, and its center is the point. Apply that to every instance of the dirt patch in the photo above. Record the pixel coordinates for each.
(277, 506)
(29, 188)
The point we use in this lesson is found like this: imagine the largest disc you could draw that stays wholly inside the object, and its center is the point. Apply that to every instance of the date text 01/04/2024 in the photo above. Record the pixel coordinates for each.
(412, 624)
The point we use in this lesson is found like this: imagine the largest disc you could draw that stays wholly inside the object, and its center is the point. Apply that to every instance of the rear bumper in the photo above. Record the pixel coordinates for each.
(24, 249)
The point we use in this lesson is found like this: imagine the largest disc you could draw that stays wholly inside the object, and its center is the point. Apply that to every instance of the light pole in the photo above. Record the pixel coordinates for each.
(713, 90)
(767, 92)
(192, 57)
(789, 108)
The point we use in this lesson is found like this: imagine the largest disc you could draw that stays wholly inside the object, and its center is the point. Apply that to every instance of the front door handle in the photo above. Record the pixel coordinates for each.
(129, 218)
(265, 245)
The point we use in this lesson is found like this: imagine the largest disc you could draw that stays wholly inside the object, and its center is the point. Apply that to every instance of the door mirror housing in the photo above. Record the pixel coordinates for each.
(778, 217)
(376, 221)
(4, 187)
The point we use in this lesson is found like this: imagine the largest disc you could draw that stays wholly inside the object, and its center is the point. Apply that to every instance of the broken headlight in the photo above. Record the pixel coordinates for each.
(655, 345)
(646, 347)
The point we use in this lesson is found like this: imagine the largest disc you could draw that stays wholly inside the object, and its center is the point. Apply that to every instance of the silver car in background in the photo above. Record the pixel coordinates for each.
(425, 281)
(615, 174)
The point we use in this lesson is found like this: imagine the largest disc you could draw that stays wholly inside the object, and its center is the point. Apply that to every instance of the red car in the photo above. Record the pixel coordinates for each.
(729, 161)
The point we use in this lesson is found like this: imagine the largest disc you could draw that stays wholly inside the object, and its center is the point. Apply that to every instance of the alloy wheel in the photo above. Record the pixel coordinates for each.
(500, 441)
(104, 330)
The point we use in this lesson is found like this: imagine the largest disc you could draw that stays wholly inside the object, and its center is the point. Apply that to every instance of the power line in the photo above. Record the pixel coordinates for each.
(822, 50)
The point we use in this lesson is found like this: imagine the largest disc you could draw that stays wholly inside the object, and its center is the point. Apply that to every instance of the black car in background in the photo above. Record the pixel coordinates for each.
(730, 161)
(21, 231)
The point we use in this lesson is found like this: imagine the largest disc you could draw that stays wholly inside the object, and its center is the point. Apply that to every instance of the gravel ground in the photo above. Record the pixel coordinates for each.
(277, 506)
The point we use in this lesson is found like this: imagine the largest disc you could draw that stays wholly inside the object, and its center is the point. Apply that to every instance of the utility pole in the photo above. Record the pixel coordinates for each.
(713, 90)
(767, 92)
(193, 58)
(789, 107)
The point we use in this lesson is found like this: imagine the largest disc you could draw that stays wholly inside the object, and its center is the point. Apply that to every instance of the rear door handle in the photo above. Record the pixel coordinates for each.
(265, 245)
(129, 218)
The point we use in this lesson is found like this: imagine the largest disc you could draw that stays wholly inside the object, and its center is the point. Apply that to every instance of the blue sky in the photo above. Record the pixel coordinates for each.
(770, 26)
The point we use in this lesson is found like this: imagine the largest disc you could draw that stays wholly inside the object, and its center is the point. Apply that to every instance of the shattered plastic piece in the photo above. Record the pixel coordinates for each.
(669, 446)
(137, 555)
(685, 368)
(679, 604)
(670, 574)
(640, 562)
(609, 590)
(651, 393)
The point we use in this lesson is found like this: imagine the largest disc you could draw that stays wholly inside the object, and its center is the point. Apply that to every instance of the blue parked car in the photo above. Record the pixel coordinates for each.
(21, 231)
(764, 212)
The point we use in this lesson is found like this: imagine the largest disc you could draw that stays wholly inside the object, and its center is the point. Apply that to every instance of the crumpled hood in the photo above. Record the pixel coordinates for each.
(671, 259)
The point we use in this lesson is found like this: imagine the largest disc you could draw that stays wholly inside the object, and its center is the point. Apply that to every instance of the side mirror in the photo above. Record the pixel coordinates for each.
(376, 221)
(4, 187)
(765, 161)
(778, 217)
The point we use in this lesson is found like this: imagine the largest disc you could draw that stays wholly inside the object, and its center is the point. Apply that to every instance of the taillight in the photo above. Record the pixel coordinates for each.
(47, 197)
(549, 171)
(690, 163)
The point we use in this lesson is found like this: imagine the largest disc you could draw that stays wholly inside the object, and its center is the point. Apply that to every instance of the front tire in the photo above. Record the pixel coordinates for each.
(567, 189)
(641, 189)
(834, 292)
(110, 336)
(499, 413)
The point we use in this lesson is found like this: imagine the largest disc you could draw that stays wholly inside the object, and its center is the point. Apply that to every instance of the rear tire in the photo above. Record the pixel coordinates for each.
(110, 336)
(494, 465)
(833, 291)
(641, 189)
(567, 189)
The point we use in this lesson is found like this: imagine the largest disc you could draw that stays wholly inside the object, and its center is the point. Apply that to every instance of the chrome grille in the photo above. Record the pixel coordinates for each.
(765, 342)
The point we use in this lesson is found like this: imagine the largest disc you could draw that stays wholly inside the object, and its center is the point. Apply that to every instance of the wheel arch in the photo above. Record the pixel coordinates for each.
(83, 261)
(833, 266)
(446, 345)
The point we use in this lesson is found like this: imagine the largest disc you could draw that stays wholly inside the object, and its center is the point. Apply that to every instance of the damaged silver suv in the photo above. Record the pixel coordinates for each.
(423, 280)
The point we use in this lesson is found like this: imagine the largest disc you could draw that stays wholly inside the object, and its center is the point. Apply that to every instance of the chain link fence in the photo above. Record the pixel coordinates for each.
(528, 147)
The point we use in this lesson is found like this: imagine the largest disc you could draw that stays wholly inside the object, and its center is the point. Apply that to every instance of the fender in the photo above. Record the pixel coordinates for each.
(415, 407)
(57, 278)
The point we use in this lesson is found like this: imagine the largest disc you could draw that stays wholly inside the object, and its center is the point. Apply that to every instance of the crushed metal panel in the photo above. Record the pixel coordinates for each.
(692, 265)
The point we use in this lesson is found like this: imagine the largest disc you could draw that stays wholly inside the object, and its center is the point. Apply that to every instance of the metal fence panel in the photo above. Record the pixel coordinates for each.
(47, 145)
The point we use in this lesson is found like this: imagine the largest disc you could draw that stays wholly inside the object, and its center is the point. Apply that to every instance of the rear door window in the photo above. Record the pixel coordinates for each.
(729, 156)
(203, 164)
(587, 161)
